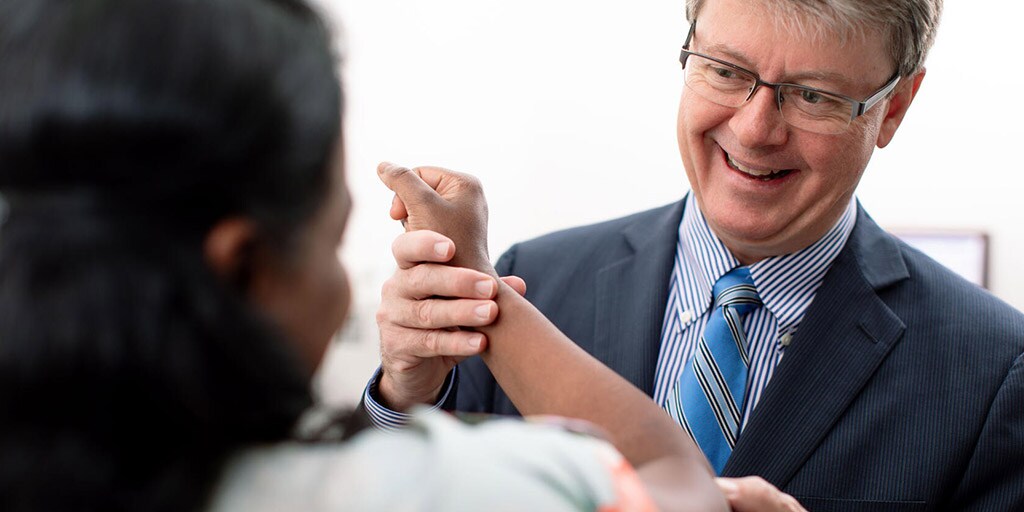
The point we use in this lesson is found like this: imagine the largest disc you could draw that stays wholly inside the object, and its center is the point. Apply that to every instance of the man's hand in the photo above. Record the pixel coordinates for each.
(419, 344)
(753, 493)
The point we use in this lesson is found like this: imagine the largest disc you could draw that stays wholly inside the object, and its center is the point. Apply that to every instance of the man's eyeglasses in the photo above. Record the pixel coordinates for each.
(803, 107)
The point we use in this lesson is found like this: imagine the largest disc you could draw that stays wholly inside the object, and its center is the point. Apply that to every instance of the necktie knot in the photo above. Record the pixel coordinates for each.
(736, 289)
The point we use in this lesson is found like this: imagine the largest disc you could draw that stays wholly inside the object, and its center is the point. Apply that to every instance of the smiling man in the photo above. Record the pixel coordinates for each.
(766, 311)
(773, 166)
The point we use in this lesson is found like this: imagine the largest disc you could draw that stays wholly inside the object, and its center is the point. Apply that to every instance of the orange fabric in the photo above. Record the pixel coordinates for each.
(630, 493)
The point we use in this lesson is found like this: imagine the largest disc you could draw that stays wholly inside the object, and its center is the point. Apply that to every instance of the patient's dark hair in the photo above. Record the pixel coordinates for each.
(128, 128)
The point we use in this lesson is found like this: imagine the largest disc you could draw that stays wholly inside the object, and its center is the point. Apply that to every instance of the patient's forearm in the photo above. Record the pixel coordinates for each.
(544, 372)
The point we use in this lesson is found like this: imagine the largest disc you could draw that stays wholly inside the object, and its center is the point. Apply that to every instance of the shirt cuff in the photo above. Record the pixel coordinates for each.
(387, 420)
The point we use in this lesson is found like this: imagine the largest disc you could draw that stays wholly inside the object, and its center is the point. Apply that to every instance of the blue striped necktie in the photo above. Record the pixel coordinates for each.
(708, 399)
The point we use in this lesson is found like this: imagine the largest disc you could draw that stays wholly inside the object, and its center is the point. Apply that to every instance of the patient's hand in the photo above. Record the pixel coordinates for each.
(444, 201)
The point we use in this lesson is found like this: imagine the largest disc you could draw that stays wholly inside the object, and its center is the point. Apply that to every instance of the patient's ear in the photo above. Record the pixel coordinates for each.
(228, 250)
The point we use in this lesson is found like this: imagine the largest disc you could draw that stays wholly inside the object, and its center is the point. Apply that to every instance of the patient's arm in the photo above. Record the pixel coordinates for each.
(541, 370)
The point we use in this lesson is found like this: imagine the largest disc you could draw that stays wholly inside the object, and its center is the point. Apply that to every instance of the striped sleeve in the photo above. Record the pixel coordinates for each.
(387, 420)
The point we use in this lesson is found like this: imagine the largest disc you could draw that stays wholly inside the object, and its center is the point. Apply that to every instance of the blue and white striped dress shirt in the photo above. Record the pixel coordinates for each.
(387, 420)
(786, 285)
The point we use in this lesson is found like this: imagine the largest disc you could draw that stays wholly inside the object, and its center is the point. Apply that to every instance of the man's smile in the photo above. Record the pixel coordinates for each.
(756, 173)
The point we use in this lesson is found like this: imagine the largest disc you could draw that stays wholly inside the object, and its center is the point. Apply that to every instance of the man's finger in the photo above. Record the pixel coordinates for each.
(752, 493)
(402, 344)
(455, 312)
(516, 283)
(423, 246)
(428, 281)
(442, 313)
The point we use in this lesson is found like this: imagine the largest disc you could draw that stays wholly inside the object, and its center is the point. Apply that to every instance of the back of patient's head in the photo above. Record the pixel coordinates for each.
(128, 129)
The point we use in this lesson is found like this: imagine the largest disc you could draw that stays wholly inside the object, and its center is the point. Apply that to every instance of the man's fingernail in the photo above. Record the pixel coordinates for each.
(475, 341)
(485, 288)
(483, 311)
(728, 487)
(441, 249)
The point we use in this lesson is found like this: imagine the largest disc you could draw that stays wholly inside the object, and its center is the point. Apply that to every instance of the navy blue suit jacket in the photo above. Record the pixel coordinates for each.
(903, 388)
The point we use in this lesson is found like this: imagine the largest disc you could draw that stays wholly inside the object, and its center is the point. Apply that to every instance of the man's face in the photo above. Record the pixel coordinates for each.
(757, 217)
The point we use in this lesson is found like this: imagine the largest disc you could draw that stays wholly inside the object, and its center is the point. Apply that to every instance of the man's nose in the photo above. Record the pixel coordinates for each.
(758, 122)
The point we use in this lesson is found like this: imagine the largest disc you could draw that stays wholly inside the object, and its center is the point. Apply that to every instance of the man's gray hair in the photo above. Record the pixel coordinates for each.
(910, 25)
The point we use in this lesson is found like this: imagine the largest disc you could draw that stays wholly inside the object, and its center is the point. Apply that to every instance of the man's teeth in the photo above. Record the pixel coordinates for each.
(761, 173)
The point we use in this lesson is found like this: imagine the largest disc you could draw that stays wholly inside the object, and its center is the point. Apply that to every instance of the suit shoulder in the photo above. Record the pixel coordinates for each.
(945, 294)
(592, 235)
(583, 250)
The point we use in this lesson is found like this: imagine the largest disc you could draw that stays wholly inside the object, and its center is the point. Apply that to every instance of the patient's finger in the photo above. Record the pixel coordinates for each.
(398, 210)
(406, 183)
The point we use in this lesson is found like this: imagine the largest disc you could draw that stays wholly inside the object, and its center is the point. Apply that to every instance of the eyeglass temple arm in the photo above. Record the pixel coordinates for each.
(683, 53)
(689, 35)
(876, 97)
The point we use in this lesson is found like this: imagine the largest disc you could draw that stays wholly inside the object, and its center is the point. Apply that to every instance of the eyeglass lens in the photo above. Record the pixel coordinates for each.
(804, 108)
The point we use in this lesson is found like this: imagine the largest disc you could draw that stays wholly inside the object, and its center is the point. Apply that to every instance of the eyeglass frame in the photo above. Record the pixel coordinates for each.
(859, 107)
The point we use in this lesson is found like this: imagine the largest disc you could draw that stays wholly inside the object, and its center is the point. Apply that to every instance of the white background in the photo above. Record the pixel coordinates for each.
(566, 111)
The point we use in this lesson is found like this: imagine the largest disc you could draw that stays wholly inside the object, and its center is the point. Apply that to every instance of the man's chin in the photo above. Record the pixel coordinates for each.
(750, 240)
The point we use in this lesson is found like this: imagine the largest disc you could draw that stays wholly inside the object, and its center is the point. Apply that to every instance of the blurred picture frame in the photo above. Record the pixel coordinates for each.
(965, 252)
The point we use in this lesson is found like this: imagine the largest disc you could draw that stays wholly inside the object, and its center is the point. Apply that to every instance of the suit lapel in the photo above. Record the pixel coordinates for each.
(845, 336)
(630, 298)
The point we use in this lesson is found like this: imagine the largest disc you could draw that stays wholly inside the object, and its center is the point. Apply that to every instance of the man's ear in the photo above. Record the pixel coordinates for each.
(897, 108)
(228, 250)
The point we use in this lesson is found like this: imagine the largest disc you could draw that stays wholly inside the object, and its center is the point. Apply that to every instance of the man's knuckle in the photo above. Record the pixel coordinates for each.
(424, 310)
(389, 288)
(389, 339)
(396, 247)
(470, 185)
(432, 342)
(758, 482)
(418, 278)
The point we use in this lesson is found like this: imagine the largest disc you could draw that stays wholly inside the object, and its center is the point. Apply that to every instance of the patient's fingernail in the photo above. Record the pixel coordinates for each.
(483, 311)
(441, 249)
(475, 341)
(485, 288)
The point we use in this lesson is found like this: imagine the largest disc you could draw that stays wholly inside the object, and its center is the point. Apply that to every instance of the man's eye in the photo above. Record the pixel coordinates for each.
(811, 97)
(724, 72)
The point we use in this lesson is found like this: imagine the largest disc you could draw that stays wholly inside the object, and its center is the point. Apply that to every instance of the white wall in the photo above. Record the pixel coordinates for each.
(566, 111)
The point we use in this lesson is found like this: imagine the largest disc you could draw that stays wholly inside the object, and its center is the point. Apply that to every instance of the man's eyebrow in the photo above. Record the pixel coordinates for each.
(730, 54)
(738, 57)
(824, 76)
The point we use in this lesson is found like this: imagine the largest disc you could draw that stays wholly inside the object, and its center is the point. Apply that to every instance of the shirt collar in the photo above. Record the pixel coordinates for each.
(786, 283)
